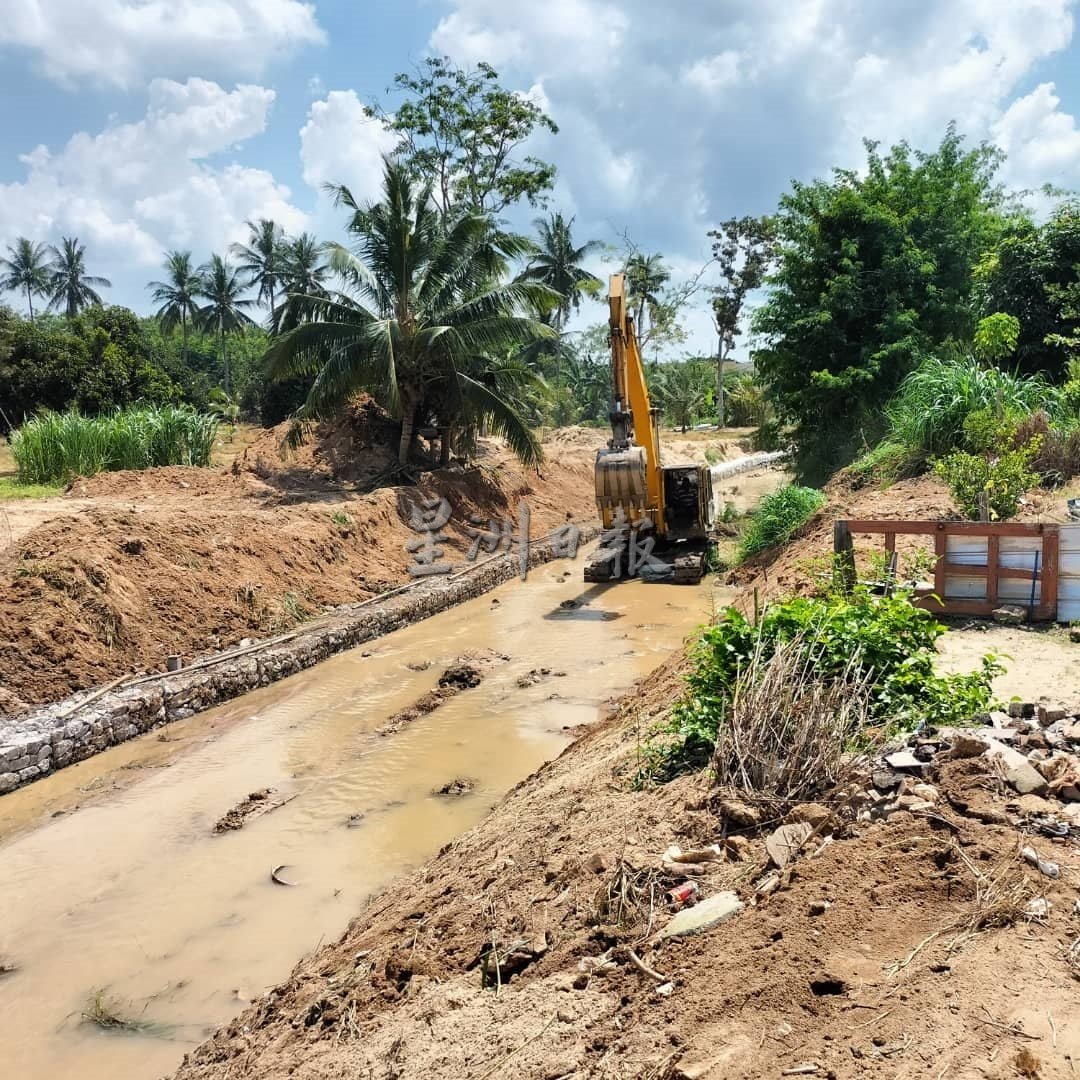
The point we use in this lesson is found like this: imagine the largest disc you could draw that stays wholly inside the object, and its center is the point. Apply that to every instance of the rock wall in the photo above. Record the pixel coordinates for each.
(35, 744)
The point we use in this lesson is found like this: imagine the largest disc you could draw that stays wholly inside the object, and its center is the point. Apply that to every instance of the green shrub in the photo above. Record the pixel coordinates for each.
(891, 642)
(1002, 478)
(56, 446)
(778, 517)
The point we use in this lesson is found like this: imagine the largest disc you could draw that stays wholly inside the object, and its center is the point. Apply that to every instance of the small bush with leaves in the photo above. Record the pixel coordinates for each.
(1002, 479)
(893, 646)
(778, 517)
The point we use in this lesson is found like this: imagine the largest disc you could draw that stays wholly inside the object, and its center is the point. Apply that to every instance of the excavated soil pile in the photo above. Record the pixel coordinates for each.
(189, 561)
(912, 943)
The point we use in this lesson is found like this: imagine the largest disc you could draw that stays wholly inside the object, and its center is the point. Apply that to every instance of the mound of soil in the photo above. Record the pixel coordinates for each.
(189, 561)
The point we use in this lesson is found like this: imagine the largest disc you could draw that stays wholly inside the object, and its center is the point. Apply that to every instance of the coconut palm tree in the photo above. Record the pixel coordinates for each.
(177, 295)
(303, 268)
(262, 258)
(225, 310)
(646, 275)
(25, 269)
(421, 321)
(556, 263)
(71, 286)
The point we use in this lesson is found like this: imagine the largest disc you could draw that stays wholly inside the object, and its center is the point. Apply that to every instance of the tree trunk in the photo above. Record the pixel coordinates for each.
(30, 302)
(446, 446)
(224, 356)
(720, 418)
(408, 426)
(183, 334)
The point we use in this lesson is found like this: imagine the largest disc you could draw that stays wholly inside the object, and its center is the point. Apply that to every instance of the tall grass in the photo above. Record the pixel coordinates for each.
(778, 517)
(926, 418)
(56, 446)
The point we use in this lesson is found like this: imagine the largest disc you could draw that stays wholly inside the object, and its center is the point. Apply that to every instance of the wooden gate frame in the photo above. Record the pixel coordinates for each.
(1044, 610)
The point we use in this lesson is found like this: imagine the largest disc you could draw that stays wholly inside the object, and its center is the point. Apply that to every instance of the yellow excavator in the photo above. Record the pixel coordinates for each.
(656, 519)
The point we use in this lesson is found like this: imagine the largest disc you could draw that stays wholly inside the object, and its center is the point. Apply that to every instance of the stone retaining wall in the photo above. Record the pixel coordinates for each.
(34, 744)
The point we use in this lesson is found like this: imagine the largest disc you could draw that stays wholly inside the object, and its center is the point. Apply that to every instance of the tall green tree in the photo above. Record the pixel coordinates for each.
(874, 270)
(1031, 274)
(225, 310)
(262, 259)
(421, 323)
(178, 296)
(681, 392)
(462, 130)
(25, 269)
(557, 263)
(744, 249)
(646, 276)
(304, 268)
(70, 286)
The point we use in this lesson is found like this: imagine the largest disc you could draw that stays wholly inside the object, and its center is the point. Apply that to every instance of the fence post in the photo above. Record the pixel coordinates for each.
(843, 557)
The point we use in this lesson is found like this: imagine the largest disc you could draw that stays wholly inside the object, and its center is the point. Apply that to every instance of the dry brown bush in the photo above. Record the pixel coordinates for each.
(787, 734)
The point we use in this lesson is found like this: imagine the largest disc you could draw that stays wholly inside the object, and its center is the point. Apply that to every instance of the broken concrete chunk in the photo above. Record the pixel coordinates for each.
(784, 844)
(736, 812)
(702, 916)
(1046, 716)
(813, 814)
(1021, 709)
(968, 746)
(904, 760)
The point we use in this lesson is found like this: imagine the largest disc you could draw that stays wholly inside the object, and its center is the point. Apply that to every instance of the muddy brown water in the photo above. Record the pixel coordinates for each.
(111, 878)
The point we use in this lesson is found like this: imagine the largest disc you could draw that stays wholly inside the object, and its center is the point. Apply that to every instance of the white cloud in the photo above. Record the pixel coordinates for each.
(134, 190)
(674, 117)
(712, 74)
(124, 41)
(341, 144)
(1043, 143)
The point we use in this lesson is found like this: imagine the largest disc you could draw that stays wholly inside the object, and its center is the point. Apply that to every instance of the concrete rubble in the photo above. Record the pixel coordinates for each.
(37, 743)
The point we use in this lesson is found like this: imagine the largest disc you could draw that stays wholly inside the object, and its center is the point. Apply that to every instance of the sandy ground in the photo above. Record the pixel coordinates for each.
(861, 964)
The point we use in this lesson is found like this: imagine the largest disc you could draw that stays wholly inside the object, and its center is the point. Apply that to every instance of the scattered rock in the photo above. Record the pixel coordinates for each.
(461, 786)
(1019, 772)
(702, 916)
(255, 805)
(460, 676)
(1046, 716)
(819, 907)
(418, 665)
(736, 812)
(967, 746)
(819, 818)
(1021, 709)
(133, 545)
(1009, 614)
(784, 844)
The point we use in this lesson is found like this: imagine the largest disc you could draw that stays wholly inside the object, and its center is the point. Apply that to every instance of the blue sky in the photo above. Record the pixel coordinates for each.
(143, 125)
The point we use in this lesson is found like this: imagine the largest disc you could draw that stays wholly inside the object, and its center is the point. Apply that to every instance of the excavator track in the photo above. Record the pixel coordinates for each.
(685, 567)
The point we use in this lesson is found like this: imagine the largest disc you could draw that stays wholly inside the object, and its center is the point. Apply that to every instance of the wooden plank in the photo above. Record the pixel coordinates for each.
(956, 607)
(951, 528)
(890, 541)
(844, 575)
(1048, 575)
(993, 545)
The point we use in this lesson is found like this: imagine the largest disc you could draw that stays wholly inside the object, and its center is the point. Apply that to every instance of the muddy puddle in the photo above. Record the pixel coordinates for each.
(113, 879)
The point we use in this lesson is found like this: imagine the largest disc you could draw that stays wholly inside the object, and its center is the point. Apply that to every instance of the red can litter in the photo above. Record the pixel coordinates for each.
(685, 893)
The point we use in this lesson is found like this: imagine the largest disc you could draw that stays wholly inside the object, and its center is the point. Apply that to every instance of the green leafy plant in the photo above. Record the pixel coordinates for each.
(1000, 479)
(778, 517)
(56, 446)
(885, 641)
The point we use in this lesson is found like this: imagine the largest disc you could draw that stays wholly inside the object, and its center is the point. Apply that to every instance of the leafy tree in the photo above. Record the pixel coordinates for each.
(177, 295)
(874, 270)
(70, 285)
(556, 263)
(744, 249)
(421, 322)
(1031, 274)
(304, 269)
(461, 129)
(225, 310)
(26, 270)
(996, 337)
(262, 258)
(681, 393)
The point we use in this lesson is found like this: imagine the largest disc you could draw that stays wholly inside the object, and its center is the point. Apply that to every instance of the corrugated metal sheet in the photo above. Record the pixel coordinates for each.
(1069, 574)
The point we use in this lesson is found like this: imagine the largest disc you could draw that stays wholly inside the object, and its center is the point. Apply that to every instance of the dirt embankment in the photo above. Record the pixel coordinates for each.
(916, 944)
(133, 567)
